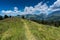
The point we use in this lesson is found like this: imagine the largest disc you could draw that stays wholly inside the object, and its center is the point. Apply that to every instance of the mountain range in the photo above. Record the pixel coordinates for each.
(55, 16)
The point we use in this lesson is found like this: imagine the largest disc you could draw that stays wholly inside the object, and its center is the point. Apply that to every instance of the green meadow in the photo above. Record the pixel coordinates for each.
(22, 29)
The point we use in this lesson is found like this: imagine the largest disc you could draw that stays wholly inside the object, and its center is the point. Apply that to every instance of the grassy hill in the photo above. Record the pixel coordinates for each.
(21, 29)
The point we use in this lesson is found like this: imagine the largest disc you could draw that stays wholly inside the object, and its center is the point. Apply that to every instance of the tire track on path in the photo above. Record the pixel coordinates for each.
(28, 33)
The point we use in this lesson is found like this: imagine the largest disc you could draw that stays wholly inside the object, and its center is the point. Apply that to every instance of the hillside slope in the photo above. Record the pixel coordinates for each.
(21, 29)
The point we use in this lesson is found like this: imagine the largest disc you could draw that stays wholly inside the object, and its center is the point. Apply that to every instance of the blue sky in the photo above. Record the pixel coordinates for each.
(9, 4)
(15, 7)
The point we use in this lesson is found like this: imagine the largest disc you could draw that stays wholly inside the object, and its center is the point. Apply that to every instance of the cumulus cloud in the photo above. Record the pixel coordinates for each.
(10, 12)
(57, 3)
(42, 8)
(39, 8)
(55, 6)
(3, 11)
(28, 10)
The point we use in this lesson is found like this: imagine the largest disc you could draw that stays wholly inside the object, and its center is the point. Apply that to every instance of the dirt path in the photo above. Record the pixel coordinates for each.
(28, 33)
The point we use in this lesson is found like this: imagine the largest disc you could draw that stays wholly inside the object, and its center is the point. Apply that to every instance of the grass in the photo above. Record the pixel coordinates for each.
(14, 29)
(44, 32)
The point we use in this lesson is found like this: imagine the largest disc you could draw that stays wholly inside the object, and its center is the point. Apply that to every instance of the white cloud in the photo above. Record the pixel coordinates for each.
(10, 12)
(3, 11)
(42, 8)
(39, 7)
(31, 10)
(28, 10)
(55, 6)
(57, 3)
(15, 9)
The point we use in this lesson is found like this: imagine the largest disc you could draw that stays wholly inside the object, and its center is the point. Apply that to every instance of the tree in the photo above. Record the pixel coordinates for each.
(23, 17)
(10, 16)
(6, 16)
(1, 17)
